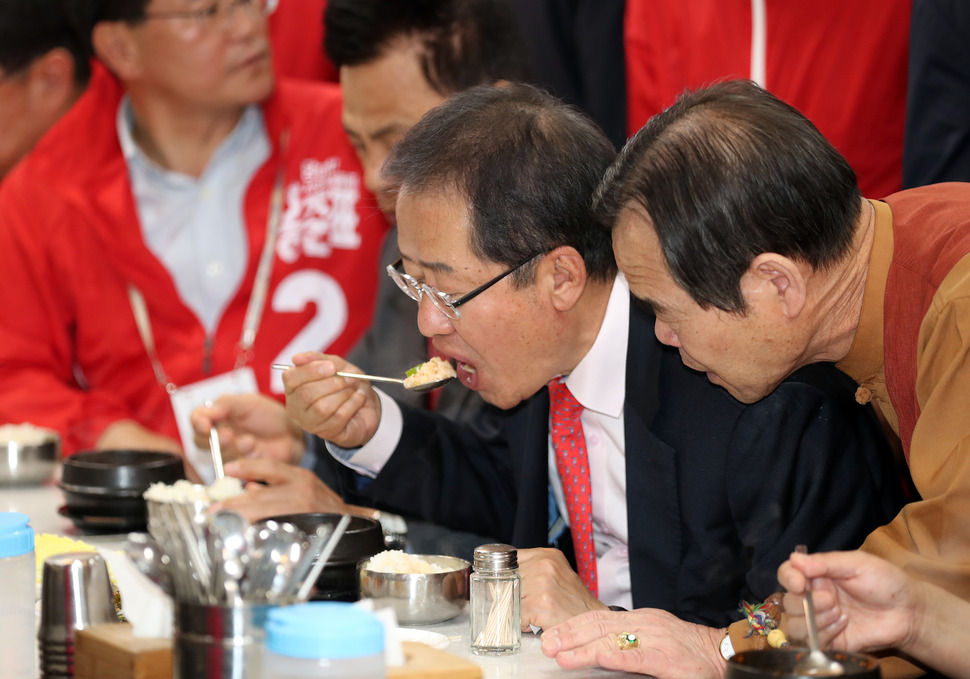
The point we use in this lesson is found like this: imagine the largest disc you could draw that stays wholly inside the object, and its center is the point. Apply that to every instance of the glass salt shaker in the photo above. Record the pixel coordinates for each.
(495, 601)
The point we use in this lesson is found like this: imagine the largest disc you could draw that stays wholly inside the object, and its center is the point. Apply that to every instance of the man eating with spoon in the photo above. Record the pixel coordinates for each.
(688, 501)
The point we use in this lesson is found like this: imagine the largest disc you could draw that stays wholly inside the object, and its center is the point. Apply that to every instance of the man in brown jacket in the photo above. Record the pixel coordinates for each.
(745, 231)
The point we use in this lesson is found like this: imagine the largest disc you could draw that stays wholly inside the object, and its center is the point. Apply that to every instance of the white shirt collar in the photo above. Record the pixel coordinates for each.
(599, 381)
(250, 125)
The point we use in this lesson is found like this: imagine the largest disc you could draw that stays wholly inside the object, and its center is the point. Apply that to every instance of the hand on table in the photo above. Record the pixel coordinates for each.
(551, 590)
(130, 435)
(341, 410)
(669, 647)
(249, 425)
(288, 490)
(861, 601)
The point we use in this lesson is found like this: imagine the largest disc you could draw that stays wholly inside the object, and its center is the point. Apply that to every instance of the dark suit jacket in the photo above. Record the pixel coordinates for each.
(718, 493)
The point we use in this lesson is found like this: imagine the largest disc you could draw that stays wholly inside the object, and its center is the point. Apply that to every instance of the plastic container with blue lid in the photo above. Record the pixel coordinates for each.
(18, 573)
(323, 639)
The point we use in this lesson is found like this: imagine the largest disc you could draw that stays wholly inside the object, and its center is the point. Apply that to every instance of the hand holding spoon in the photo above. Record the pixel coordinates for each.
(816, 662)
(424, 386)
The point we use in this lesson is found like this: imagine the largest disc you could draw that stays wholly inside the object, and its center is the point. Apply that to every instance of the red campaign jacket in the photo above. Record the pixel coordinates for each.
(296, 34)
(70, 354)
(842, 64)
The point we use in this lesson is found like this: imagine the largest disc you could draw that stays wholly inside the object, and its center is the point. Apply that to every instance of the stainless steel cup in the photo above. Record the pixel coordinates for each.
(218, 642)
(75, 593)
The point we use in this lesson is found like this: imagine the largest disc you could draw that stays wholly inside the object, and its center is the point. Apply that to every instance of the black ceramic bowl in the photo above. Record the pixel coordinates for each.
(778, 663)
(103, 488)
(362, 540)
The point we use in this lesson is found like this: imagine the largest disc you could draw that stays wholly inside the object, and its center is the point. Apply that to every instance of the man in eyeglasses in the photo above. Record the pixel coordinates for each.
(384, 49)
(695, 498)
(187, 224)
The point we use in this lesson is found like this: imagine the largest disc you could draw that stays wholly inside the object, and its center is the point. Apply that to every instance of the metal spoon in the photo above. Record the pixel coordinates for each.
(144, 552)
(228, 538)
(426, 386)
(278, 546)
(816, 662)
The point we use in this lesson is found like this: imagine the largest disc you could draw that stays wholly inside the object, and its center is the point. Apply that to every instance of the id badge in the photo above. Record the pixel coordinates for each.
(187, 398)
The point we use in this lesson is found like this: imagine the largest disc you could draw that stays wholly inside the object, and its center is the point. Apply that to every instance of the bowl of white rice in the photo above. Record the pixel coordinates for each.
(28, 454)
(423, 589)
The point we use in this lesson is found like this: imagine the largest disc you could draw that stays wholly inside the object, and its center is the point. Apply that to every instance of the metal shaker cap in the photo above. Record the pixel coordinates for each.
(496, 557)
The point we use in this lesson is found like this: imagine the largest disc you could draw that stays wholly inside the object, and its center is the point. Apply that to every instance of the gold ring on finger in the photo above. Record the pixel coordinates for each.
(627, 641)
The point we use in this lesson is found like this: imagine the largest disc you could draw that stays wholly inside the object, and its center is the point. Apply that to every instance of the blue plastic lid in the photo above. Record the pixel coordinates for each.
(324, 629)
(16, 535)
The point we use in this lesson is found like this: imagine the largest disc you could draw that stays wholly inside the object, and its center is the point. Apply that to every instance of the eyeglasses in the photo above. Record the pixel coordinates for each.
(442, 301)
(217, 14)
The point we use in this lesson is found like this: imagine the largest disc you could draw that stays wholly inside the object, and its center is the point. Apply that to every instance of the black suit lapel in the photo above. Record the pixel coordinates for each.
(530, 447)
(653, 504)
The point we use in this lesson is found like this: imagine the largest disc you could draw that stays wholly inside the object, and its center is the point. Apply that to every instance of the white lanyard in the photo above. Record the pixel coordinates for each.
(257, 300)
(759, 42)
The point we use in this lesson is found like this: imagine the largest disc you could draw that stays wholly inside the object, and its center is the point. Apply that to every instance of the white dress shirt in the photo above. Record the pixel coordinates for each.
(598, 382)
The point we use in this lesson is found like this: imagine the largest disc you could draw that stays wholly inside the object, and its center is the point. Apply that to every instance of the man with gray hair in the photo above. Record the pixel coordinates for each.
(746, 233)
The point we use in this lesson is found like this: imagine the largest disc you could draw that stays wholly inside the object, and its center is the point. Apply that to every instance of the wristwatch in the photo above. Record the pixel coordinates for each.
(727, 648)
(394, 527)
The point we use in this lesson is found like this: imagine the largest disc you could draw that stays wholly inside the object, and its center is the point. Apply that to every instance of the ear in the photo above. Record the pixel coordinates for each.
(563, 272)
(115, 45)
(51, 82)
(777, 281)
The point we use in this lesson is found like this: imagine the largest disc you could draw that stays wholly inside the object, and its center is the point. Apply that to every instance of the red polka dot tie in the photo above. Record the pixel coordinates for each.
(569, 445)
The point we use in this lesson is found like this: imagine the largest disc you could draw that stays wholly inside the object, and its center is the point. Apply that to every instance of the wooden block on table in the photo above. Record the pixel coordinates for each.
(423, 662)
(103, 651)
(111, 650)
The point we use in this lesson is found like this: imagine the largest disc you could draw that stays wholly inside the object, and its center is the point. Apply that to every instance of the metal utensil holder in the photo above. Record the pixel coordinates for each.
(218, 642)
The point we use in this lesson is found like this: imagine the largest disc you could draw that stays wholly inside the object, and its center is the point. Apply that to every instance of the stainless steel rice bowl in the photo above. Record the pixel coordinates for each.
(419, 598)
(30, 462)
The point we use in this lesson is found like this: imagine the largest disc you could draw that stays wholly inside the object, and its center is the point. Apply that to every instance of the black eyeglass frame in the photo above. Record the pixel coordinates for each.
(203, 14)
(442, 301)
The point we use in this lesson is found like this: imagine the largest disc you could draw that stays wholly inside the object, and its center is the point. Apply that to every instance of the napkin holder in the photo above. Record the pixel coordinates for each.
(114, 651)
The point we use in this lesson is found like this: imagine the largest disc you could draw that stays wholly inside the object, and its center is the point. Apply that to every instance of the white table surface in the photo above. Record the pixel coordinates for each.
(40, 503)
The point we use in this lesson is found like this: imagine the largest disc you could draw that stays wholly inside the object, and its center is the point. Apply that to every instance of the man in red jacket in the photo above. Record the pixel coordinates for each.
(829, 59)
(187, 224)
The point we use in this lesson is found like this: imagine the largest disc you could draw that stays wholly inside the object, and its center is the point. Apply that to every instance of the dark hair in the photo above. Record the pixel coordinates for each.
(727, 173)
(527, 164)
(129, 11)
(30, 29)
(465, 42)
